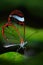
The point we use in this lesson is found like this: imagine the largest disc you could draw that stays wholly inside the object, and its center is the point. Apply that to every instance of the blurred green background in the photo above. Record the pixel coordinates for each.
(35, 9)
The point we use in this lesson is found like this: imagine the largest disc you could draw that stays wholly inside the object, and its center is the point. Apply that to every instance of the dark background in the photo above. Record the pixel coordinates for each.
(33, 11)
